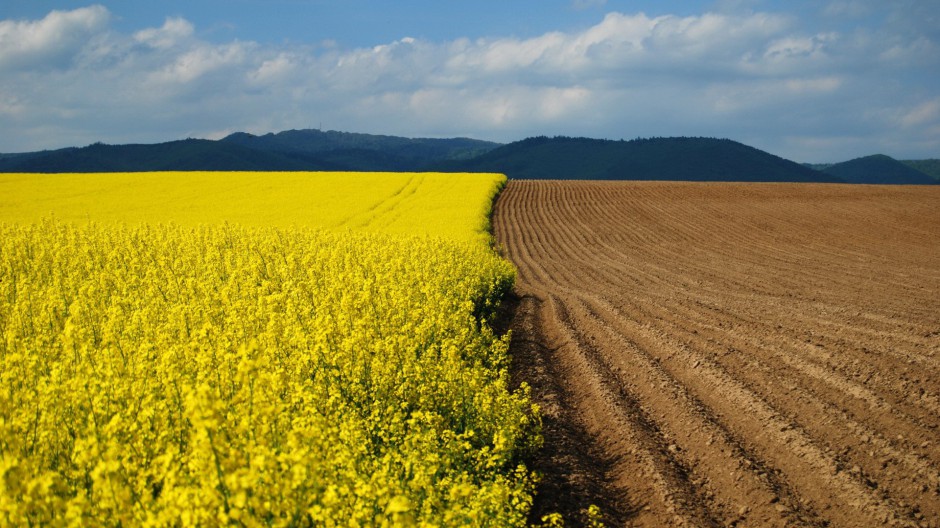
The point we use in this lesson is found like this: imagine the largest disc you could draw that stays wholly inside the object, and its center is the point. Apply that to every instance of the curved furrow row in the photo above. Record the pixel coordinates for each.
(811, 409)
(867, 325)
(525, 243)
(625, 427)
(834, 361)
(735, 484)
(853, 334)
(731, 354)
(830, 361)
(763, 248)
(774, 438)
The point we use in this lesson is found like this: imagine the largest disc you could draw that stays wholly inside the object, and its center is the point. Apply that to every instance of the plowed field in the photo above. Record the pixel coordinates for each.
(720, 354)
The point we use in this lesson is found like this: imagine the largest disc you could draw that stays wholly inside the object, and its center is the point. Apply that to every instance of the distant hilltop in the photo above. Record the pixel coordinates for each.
(292, 150)
(671, 158)
(881, 169)
(662, 158)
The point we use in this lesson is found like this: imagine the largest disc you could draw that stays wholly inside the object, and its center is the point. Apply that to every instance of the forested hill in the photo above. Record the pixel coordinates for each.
(565, 158)
(879, 169)
(930, 167)
(293, 150)
(677, 158)
(365, 151)
(184, 155)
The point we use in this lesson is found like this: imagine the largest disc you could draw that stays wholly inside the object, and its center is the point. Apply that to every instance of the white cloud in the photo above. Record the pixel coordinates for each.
(486, 108)
(201, 60)
(799, 46)
(50, 42)
(174, 31)
(716, 33)
(926, 113)
(740, 74)
(275, 70)
(619, 42)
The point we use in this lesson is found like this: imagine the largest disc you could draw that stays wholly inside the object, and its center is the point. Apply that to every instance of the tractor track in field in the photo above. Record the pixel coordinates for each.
(730, 354)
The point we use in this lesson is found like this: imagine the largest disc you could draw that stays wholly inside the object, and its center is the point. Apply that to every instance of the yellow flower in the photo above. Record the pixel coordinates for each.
(205, 372)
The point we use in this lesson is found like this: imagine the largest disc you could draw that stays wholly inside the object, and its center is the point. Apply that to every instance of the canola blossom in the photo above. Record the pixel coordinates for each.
(159, 374)
(454, 206)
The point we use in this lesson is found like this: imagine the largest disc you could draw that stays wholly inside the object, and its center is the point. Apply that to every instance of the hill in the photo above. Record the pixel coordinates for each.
(184, 155)
(680, 158)
(365, 152)
(675, 158)
(930, 167)
(293, 150)
(879, 169)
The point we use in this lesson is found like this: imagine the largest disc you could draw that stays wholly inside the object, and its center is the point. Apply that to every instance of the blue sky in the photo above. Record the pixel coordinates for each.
(810, 81)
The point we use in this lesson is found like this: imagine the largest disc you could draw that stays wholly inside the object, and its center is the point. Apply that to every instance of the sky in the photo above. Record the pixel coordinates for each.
(811, 81)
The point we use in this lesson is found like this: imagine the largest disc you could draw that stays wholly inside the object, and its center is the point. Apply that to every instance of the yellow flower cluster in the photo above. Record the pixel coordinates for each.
(162, 375)
(454, 206)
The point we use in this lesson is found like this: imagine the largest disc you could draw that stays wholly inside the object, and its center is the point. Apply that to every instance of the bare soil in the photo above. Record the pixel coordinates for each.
(730, 354)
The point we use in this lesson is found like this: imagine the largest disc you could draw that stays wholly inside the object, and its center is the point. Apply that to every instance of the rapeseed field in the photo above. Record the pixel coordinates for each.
(258, 349)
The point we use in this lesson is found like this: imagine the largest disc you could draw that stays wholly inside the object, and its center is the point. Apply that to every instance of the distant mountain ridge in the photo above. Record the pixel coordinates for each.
(183, 155)
(879, 169)
(560, 157)
(364, 151)
(930, 167)
(676, 158)
(292, 150)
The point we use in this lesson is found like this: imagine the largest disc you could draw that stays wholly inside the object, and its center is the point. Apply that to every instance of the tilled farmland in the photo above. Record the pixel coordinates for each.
(730, 354)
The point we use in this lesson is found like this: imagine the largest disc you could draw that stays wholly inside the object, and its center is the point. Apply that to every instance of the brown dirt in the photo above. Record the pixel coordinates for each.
(730, 354)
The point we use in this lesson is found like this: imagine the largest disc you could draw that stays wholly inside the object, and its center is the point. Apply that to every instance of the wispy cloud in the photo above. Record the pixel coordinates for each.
(70, 78)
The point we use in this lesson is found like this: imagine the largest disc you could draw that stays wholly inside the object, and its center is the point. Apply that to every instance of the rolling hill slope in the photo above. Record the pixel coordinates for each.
(879, 169)
(293, 150)
(364, 152)
(688, 159)
(184, 155)
(930, 167)
(565, 158)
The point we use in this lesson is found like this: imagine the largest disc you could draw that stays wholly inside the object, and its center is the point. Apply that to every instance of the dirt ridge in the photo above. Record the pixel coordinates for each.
(730, 354)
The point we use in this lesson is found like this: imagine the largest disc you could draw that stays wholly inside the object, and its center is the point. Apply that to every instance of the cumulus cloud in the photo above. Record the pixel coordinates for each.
(761, 78)
(51, 42)
(200, 61)
(174, 31)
